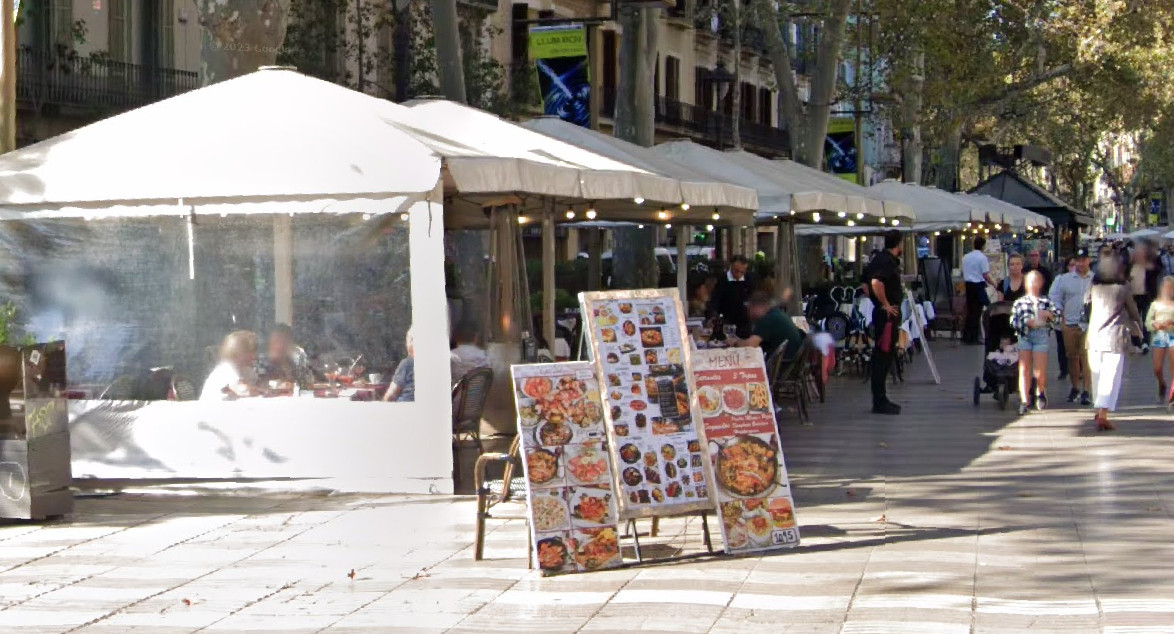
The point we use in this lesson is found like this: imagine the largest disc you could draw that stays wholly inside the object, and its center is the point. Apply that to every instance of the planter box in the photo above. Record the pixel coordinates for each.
(35, 473)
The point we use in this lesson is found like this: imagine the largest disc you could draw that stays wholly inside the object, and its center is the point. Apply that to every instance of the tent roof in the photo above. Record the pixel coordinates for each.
(1013, 215)
(935, 209)
(888, 208)
(697, 189)
(1013, 188)
(273, 136)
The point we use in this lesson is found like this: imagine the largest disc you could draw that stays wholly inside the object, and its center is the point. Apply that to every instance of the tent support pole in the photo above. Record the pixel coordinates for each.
(548, 290)
(283, 269)
(683, 232)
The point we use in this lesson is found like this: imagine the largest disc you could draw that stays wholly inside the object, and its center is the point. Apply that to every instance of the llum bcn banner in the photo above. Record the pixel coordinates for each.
(560, 58)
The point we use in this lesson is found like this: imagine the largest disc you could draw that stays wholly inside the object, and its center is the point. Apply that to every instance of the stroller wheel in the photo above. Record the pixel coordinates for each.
(977, 390)
(1003, 394)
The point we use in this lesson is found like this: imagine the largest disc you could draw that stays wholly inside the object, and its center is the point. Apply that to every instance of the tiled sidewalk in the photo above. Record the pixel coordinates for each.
(949, 519)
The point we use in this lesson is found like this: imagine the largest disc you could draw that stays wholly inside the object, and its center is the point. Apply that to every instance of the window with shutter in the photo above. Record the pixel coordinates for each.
(167, 34)
(63, 22)
(120, 38)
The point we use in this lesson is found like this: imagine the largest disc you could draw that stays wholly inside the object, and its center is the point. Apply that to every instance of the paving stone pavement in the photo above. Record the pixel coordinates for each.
(948, 519)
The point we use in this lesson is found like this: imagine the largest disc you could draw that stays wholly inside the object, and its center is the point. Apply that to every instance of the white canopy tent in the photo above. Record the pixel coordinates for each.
(1144, 233)
(697, 189)
(609, 185)
(1018, 218)
(934, 208)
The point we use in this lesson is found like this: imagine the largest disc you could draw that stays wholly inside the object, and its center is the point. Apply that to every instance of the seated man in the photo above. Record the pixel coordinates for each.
(466, 354)
(772, 326)
(285, 362)
(403, 382)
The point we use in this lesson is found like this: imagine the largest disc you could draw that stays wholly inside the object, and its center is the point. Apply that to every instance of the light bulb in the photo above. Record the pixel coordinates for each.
(668, 226)
(860, 216)
(570, 214)
(815, 216)
(639, 201)
(851, 223)
(404, 216)
(709, 227)
(685, 206)
(717, 216)
(998, 226)
(662, 215)
(523, 220)
(896, 221)
(366, 216)
(591, 214)
(937, 233)
(639, 226)
(792, 212)
(843, 214)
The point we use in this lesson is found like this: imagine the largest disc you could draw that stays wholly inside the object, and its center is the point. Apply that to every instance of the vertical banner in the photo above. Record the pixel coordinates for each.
(745, 453)
(641, 350)
(567, 465)
(840, 154)
(560, 57)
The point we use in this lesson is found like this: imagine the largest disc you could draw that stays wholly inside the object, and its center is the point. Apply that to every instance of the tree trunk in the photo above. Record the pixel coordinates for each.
(823, 83)
(446, 29)
(7, 78)
(911, 146)
(736, 118)
(634, 250)
(950, 158)
(240, 36)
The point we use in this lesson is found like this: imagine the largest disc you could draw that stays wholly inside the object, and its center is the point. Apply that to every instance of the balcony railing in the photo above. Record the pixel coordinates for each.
(712, 128)
(94, 82)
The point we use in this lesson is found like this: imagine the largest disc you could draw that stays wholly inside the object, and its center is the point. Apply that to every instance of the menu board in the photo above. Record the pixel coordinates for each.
(745, 455)
(567, 466)
(640, 347)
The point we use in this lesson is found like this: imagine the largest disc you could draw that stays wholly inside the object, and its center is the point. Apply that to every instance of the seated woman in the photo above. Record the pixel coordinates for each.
(234, 377)
(285, 362)
(403, 382)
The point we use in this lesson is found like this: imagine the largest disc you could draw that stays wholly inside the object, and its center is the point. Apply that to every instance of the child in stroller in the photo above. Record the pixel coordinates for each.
(1000, 362)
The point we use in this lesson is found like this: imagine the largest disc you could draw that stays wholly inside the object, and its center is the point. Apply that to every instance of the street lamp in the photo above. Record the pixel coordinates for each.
(721, 79)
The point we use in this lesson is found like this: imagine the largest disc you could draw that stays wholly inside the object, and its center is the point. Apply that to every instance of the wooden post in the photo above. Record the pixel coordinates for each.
(548, 289)
(683, 232)
(283, 269)
(7, 77)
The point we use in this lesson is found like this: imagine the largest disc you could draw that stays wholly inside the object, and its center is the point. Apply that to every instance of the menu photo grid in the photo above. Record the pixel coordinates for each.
(567, 467)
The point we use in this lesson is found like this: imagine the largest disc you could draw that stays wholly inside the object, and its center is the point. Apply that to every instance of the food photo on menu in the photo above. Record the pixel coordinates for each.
(567, 467)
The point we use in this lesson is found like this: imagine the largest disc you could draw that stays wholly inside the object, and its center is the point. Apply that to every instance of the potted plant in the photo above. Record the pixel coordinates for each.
(10, 359)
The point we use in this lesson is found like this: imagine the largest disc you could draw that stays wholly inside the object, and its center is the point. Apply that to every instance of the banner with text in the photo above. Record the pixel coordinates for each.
(560, 57)
(840, 152)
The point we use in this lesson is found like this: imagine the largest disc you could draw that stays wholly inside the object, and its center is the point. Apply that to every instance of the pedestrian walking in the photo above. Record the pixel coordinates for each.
(1035, 263)
(1143, 277)
(1112, 320)
(1012, 287)
(1159, 320)
(883, 276)
(1168, 260)
(1068, 293)
(1033, 316)
(976, 273)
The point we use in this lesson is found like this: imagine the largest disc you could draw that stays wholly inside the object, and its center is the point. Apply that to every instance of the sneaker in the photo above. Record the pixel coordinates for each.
(888, 409)
(1085, 399)
(1023, 409)
(1041, 401)
(1073, 395)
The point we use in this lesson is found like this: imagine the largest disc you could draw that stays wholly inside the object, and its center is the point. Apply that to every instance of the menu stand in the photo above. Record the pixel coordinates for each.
(35, 473)
(632, 532)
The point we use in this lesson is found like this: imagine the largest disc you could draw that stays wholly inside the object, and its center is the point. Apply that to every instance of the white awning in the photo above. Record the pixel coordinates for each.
(934, 208)
(271, 141)
(697, 190)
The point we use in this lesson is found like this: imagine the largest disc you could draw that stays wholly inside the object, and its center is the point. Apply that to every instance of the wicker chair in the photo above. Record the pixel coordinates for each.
(490, 493)
(791, 380)
(468, 402)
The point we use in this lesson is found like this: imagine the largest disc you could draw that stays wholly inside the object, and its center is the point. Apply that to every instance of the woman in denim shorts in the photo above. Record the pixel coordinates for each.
(1033, 317)
(1159, 321)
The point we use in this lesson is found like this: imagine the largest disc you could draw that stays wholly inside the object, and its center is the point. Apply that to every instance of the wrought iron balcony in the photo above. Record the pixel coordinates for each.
(65, 79)
(709, 127)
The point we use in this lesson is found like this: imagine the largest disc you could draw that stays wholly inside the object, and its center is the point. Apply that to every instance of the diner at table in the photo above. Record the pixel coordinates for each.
(234, 376)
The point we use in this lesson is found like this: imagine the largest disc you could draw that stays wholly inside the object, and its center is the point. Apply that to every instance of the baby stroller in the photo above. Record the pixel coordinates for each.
(1001, 374)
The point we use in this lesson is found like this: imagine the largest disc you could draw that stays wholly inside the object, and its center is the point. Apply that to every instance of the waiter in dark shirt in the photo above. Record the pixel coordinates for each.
(730, 295)
(883, 277)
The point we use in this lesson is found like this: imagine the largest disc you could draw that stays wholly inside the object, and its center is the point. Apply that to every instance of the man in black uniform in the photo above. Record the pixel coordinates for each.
(883, 277)
(730, 295)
